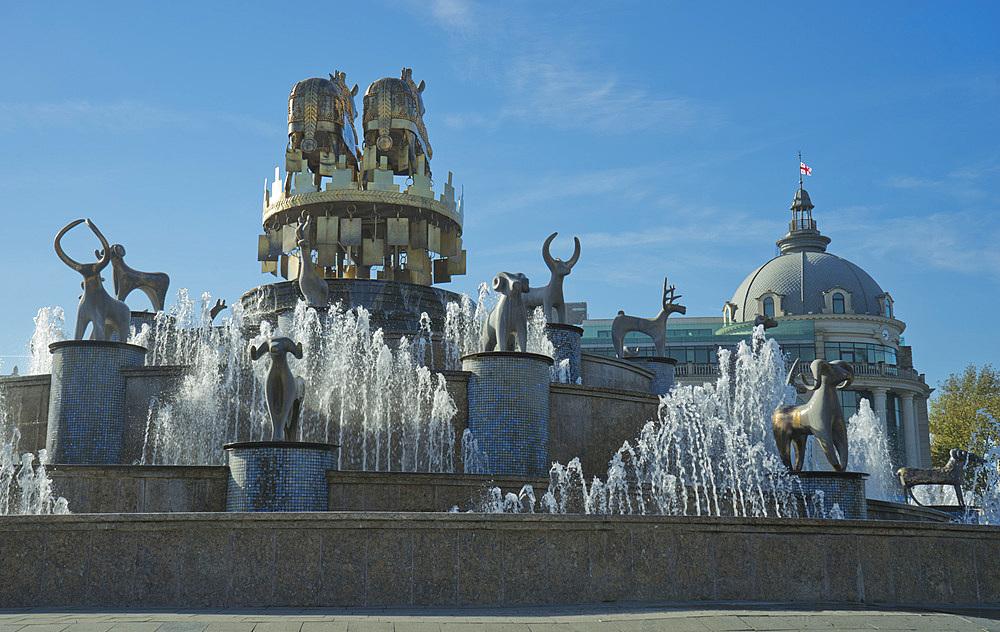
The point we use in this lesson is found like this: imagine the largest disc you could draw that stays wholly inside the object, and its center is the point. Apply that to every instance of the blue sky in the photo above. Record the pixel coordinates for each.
(663, 134)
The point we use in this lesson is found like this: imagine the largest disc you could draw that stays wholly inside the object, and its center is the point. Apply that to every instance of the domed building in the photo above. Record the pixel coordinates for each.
(825, 307)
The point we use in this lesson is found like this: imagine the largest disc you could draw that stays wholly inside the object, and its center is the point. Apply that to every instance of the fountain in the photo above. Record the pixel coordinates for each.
(217, 481)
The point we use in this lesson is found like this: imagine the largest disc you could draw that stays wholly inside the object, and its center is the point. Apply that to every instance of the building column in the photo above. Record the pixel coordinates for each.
(910, 430)
(879, 403)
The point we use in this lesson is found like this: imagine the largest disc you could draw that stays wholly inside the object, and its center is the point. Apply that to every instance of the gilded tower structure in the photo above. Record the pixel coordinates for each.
(361, 224)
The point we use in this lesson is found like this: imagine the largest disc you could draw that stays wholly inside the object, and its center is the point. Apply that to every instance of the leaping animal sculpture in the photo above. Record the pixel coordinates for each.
(550, 296)
(153, 284)
(314, 289)
(282, 390)
(506, 328)
(106, 314)
(950, 474)
(821, 416)
(655, 328)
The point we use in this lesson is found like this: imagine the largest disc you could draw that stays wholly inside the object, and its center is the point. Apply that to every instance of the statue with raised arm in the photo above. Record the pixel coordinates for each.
(105, 313)
(550, 297)
(314, 289)
(282, 390)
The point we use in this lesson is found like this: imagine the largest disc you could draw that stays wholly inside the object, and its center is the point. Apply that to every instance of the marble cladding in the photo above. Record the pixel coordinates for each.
(25, 400)
(509, 410)
(566, 341)
(432, 559)
(662, 370)
(278, 476)
(605, 372)
(86, 419)
(844, 489)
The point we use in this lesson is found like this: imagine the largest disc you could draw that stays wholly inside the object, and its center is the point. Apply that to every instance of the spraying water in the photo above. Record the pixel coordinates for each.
(709, 452)
(24, 487)
(386, 410)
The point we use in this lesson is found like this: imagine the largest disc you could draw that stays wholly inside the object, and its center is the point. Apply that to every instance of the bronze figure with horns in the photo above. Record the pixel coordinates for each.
(550, 296)
(97, 308)
(821, 416)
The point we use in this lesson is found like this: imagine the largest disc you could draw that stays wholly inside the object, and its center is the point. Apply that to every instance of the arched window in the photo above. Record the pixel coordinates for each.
(838, 303)
(769, 307)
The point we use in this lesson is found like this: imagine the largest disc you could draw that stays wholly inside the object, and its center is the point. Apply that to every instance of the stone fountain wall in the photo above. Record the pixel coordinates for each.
(398, 559)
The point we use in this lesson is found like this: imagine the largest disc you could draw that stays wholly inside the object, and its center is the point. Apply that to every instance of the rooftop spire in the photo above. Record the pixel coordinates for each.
(803, 236)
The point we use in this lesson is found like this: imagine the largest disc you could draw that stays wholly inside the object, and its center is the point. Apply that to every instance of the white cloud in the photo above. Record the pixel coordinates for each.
(964, 241)
(453, 14)
(563, 94)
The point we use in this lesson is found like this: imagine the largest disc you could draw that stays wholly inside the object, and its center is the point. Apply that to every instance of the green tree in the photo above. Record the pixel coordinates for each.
(964, 405)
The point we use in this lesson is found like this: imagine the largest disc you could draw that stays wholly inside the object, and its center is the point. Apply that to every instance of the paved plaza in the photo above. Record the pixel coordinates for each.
(577, 618)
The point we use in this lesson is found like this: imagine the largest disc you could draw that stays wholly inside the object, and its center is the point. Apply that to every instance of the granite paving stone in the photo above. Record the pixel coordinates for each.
(182, 626)
(324, 626)
(724, 623)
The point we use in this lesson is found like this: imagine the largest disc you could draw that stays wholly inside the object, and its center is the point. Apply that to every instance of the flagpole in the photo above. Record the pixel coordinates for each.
(800, 169)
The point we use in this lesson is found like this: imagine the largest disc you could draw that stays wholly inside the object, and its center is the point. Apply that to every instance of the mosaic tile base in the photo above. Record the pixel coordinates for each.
(509, 410)
(278, 476)
(662, 370)
(566, 340)
(87, 400)
(845, 489)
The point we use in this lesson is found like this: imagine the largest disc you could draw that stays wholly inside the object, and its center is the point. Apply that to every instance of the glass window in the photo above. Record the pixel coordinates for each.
(838, 303)
(769, 307)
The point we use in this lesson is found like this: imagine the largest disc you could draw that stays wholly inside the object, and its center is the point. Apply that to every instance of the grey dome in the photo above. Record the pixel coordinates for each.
(802, 277)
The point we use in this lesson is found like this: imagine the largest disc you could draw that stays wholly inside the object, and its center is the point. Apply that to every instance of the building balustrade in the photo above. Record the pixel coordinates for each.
(861, 369)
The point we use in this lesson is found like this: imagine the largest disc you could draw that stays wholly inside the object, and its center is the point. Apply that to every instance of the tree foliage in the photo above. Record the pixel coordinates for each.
(962, 413)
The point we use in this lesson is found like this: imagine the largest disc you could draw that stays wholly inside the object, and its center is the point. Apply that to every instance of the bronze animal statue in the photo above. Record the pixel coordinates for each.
(321, 117)
(106, 314)
(550, 297)
(153, 284)
(313, 287)
(394, 124)
(767, 321)
(282, 390)
(950, 474)
(655, 328)
(506, 328)
(821, 416)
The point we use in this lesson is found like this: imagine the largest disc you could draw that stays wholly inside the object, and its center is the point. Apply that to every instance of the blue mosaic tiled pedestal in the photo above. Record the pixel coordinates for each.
(662, 370)
(87, 400)
(566, 341)
(509, 410)
(278, 476)
(845, 489)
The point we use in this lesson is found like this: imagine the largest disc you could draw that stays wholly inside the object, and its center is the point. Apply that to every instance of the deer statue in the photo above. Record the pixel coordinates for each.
(655, 328)
(97, 307)
(550, 297)
(951, 474)
(314, 289)
(153, 284)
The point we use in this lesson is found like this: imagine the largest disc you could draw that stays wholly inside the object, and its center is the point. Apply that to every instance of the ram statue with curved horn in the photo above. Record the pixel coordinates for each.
(550, 296)
(821, 416)
(97, 308)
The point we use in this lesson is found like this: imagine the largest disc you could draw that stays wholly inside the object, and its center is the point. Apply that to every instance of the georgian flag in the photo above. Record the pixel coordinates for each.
(804, 170)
